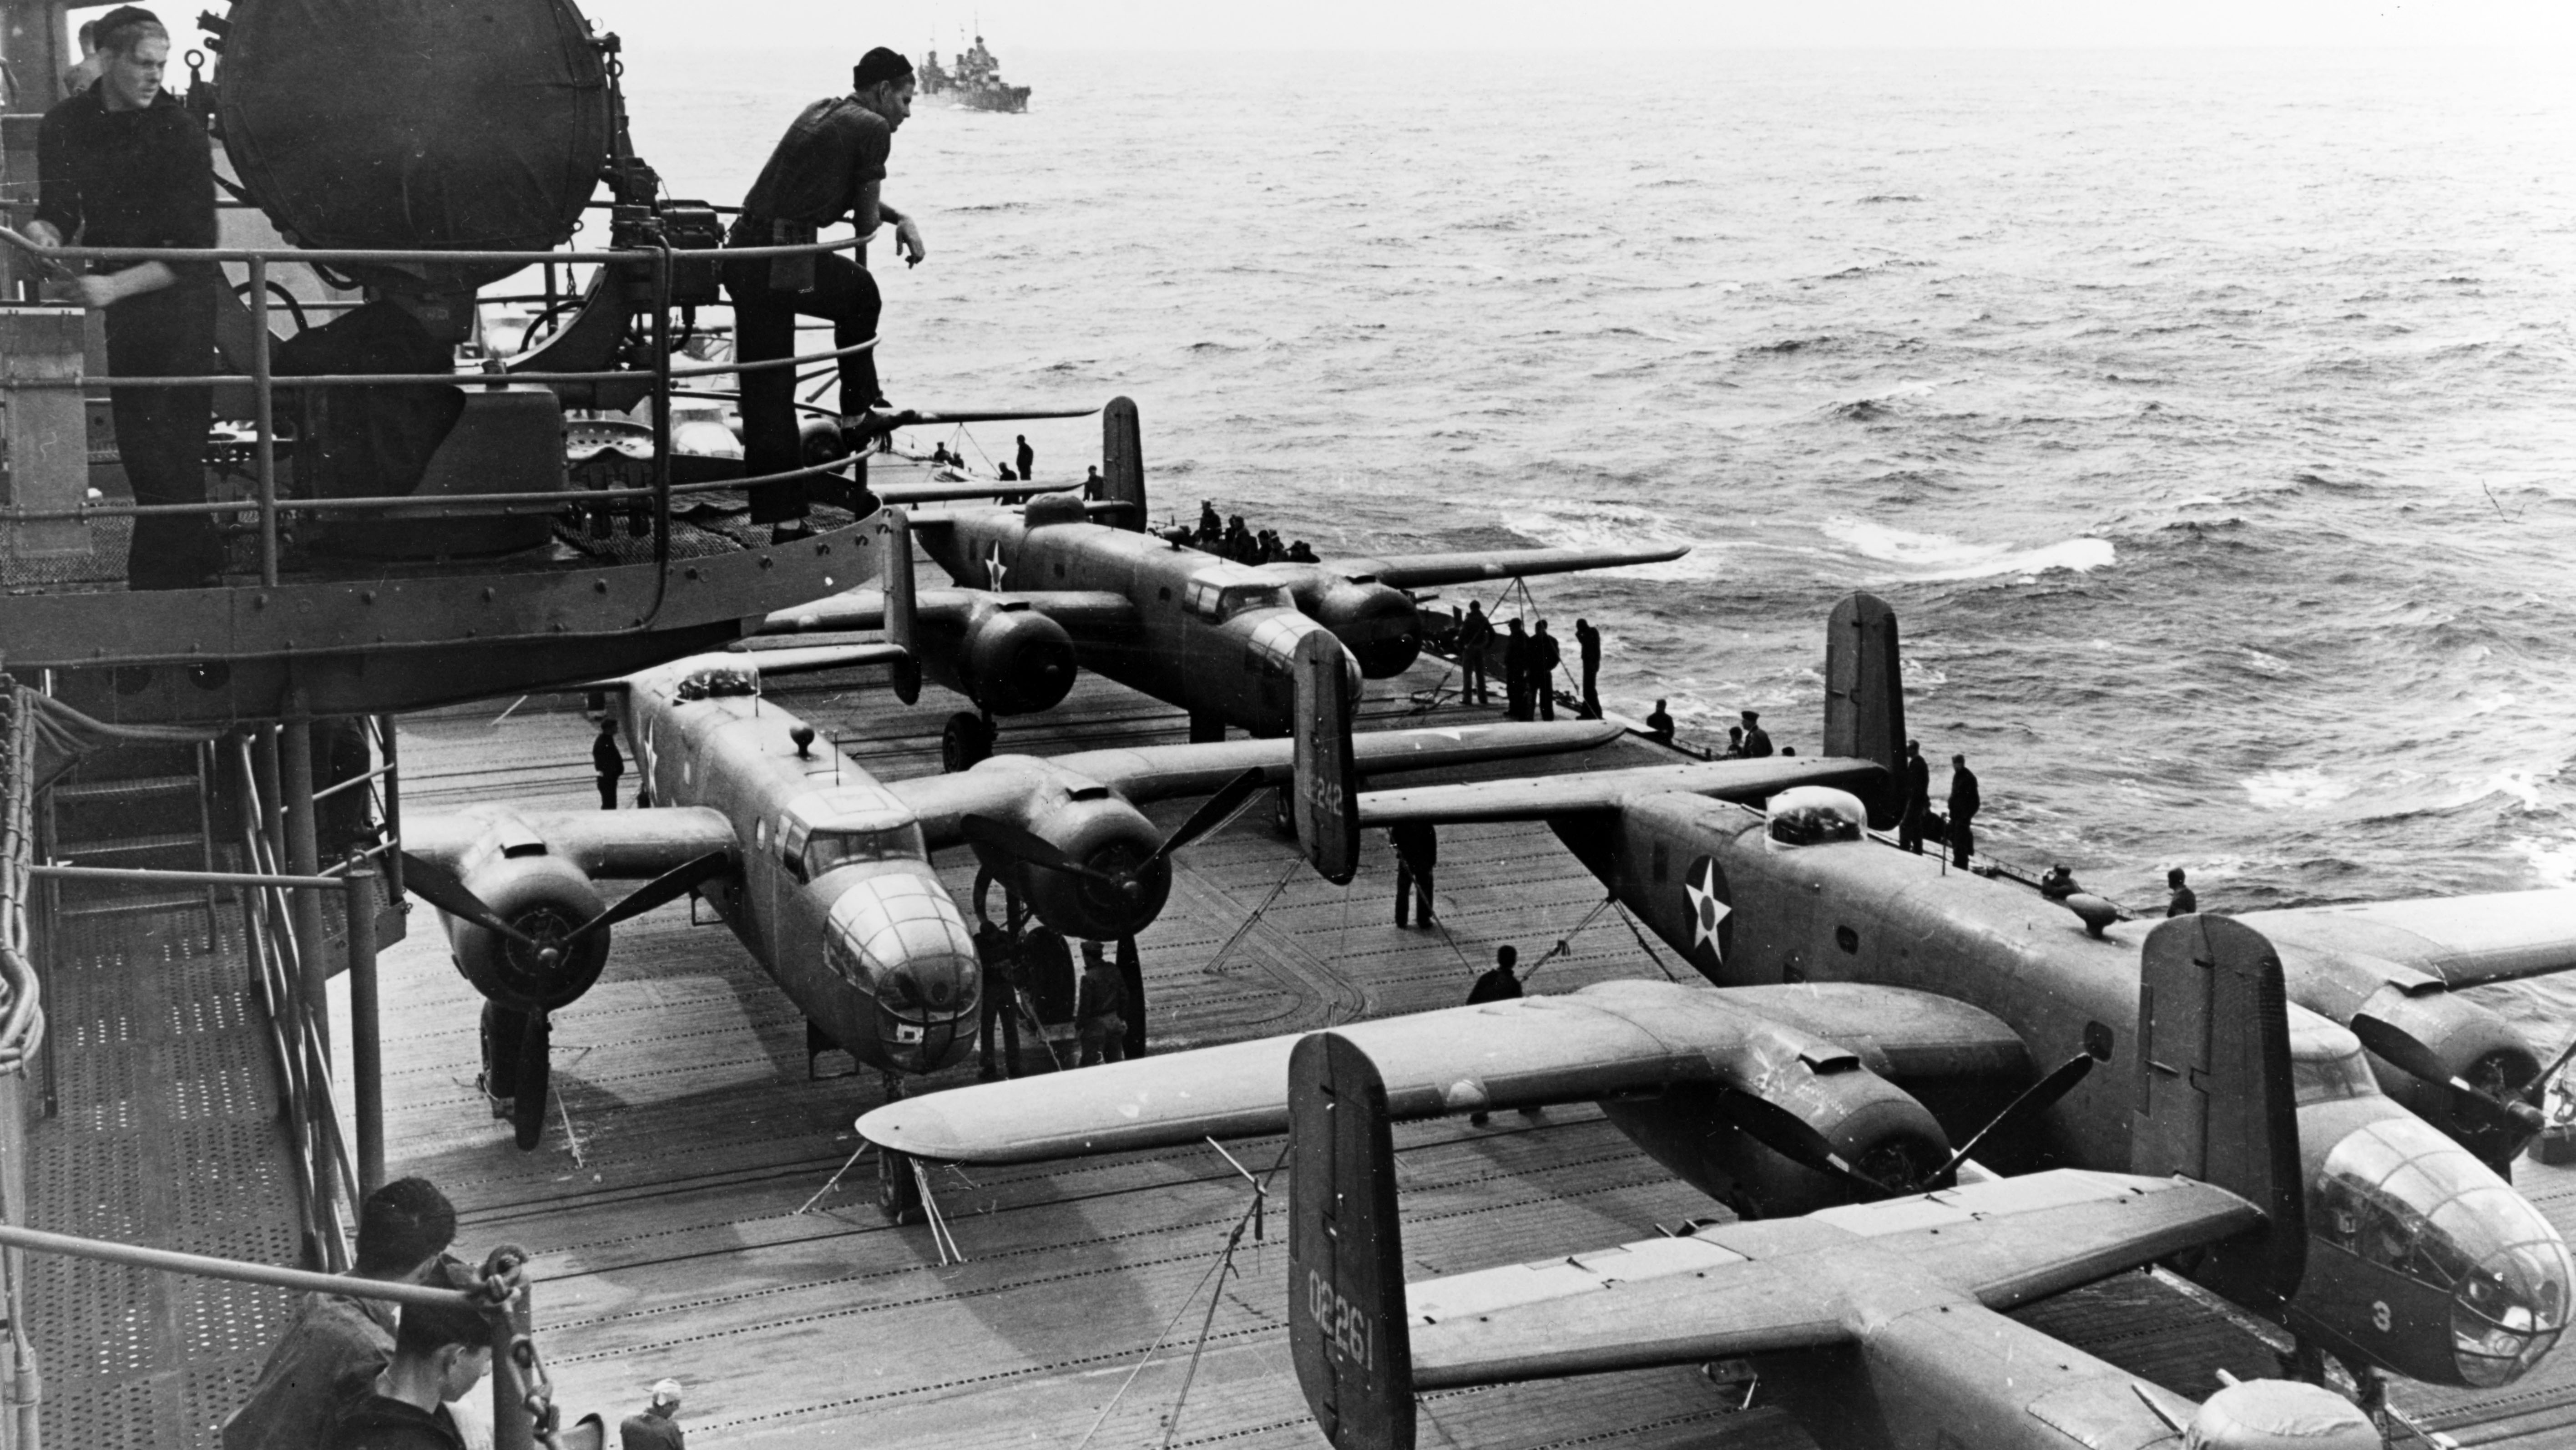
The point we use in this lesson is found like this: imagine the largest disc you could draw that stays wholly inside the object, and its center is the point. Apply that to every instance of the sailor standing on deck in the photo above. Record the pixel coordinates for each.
(1964, 805)
(1917, 775)
(610, 765)
(828, 165)
(1475, 636)
(123, 164)
(1588, 640)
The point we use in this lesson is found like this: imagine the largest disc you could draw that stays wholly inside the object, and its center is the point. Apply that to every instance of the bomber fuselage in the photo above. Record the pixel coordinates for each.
(1213, 637)
(2420, 1258)
(836, 896)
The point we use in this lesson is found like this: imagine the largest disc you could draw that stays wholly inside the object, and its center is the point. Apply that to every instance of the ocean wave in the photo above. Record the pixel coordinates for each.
(2303, 789)
(1615, 526)
(1939, 558)
(2552, 859)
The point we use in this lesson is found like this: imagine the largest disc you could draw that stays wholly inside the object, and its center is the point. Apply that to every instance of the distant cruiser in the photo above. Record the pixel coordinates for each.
(976, 83)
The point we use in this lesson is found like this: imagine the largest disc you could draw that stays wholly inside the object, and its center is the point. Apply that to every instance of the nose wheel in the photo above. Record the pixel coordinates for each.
(898, 1187)
(517, 1069)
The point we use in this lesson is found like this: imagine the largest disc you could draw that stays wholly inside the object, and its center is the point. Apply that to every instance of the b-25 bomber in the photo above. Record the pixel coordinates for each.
(1876, 1007)
(1042, 591)
(824, 871)
(1877, 1325)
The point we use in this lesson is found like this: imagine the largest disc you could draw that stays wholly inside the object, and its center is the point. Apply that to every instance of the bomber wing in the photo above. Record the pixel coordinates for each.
(1083, 612)
(944, 491)
(1156, 772)
(803, 659)
(1608, 1038)
(1540, 798)
(1422, 571)
(1780, 1284)
(2462, 940)
(605, 845)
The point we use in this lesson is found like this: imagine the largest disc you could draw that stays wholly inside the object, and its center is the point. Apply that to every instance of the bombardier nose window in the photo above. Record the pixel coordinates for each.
(2399, 1194)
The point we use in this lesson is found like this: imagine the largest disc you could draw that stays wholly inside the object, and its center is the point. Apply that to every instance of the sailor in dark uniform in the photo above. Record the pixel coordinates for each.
(1417, 851)
(1917, 775)
(827, 166)
(607, 763)
(1757, 741)
(1475, 636)
(123, 164)
(2183, 901)
(1964, 805)
(1499, 984)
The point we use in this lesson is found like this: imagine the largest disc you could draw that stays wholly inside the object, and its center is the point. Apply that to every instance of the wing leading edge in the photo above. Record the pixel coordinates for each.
(1422, 571)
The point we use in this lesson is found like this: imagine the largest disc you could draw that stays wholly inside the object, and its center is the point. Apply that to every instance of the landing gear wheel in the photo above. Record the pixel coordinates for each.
(528, 1104)
(1283, 813)
(500, 1080)
(966, 742)
(898, 1192)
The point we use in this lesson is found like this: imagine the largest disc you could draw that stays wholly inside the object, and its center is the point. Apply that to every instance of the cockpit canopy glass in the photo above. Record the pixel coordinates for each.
(715, 681)
(2399, 1194)
(829, 848)
(1219, 598)
(2324, 1076)
(1811, 815)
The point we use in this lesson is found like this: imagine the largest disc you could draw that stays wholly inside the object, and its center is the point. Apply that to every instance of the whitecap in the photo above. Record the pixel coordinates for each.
(1937, 558)
(2304, 789)
(2553, 861)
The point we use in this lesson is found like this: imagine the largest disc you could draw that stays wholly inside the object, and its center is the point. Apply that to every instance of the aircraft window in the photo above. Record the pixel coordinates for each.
(1847, 939)
(2399, 1194)
(1809, 816)
(716, 681)
(760, 834)
(830, 850)
(2326, 1079)
(791, 847)
(843, 961)
(1241, 597)
(2098, 1040)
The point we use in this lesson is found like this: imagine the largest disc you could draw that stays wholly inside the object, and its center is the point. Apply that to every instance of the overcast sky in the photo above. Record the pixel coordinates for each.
(910, 25)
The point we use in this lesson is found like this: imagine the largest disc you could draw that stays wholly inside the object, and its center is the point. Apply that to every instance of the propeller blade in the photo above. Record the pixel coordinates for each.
(671, 885)
(2400, 1048)
(439, 887)
(1210, 814)
(1001, 846)
(1793, 1138)
(2034, 1100)
(2408, 1055)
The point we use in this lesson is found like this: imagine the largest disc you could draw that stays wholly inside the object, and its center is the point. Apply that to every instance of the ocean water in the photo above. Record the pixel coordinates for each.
(2208, 418)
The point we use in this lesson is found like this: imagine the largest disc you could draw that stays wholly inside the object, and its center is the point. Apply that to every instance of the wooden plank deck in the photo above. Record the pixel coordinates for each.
(671, 1241)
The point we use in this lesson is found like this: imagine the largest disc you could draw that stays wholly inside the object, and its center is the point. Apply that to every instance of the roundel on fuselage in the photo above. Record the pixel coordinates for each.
(1712, 913)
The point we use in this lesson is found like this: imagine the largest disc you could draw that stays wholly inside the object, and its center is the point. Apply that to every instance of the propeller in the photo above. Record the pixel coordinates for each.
(1001, 845)
(1794, 1138)
(439, 887)
(2514, 1115)
(2534, 1091)
(2035, 1099)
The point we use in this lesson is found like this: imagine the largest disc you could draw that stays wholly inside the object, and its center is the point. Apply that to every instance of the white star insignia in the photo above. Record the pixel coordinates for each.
(1706, 911)
(995, 568)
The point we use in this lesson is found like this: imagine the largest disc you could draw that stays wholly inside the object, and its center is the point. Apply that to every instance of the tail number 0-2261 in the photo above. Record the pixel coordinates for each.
(1344, 1327)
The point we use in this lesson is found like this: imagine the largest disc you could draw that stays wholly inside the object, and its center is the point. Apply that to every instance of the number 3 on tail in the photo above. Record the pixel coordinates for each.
(2379, 1315)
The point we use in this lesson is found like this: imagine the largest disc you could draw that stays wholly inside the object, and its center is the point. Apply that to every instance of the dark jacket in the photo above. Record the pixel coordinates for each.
(1101, 996)
(1589, 640)
(1757, 742)
(604, 756)
(1963, 794)
(373, 1422)
(331, 1352)
(1418, 842)
(649, 1431)
(1544, 655)
(1494, 986)
(1918, 783)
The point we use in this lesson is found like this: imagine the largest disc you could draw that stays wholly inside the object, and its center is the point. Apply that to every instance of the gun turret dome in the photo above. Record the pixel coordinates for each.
(1810, 815)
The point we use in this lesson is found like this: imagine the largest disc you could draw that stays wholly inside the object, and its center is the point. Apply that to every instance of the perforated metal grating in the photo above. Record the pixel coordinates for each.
(168, 1135)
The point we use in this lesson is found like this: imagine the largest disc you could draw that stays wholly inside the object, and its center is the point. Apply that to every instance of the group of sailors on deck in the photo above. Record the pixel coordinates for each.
(1229, 538)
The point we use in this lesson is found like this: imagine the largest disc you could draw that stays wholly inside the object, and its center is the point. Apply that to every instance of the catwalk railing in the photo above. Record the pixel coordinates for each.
(659, 262)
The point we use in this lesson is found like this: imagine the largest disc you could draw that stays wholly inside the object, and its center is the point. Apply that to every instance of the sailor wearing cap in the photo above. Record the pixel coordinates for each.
(658, 1428)
(1757, 741)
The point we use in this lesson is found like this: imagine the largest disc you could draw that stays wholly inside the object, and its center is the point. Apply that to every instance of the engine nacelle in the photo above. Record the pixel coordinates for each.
(1375, 622)
(2479, 1047)
(546, 897)
(1015, 662)
(2271, 1414)
(1106, 834)
(1873, 1125)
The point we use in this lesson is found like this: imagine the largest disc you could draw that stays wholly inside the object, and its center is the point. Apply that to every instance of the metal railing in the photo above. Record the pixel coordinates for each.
(264, 382)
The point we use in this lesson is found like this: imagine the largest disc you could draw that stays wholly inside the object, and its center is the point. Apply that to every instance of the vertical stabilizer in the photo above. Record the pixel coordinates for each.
(2216, 1101)
(1122, 463)
(902, 599)
(1347, 1329)
(1865, 693)
(1324, 795)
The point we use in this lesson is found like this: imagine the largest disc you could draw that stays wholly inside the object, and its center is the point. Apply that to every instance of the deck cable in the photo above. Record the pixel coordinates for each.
(1564, 947)
(1651, 954)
